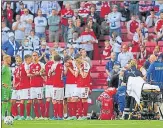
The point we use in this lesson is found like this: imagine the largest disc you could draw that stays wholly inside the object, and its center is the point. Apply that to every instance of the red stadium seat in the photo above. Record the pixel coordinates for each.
(103, 76)
(160, 43)
(124, 30)
(107, 37)
(141, 62)
(125, 43)
(151, 30)
(98, 69)
(50, 44)
(62, 44)
(98, 82)
(95, 75)
(103, 62)
(150, 46)
(101, 44)
(95, 62)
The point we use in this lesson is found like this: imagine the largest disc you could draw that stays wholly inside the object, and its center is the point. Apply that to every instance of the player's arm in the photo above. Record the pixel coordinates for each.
(72, 71)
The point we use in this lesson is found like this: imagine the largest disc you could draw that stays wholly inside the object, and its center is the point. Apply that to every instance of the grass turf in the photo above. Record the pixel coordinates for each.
(86, 124)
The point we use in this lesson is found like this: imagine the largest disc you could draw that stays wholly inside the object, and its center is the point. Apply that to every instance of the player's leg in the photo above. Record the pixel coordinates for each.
(60, 97)
(33, 97)
(9, 92)
(84, 96)
(4, 107)
(14, 110)
(48, 96)
(28, 105)
(4, 102)
(41, 102)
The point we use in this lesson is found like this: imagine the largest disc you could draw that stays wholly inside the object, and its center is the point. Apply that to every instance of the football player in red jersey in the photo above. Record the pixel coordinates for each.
(24, 87)
(58, 88)
(15, 93)
(69, 71)
(48, 86)
(83, 87)
(36, 82)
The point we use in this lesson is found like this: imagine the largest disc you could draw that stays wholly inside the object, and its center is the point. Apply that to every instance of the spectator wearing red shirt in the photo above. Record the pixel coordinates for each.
(21, 11)
(83, 11)
(159, 23)
(107, 50)
(132, 25)
(105, 9)
(65, 15)
(9, 14)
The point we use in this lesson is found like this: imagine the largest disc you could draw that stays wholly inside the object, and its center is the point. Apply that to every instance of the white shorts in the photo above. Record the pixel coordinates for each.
(15, 95)
(70, 90)
(82, 92)
(24, 94)
(58, 93)
(36, 93)
(48, 91)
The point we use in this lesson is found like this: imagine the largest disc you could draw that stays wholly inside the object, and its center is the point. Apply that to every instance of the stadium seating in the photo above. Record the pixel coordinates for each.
(103, 62)
(98, 69)
(150, 46)
(95, 62)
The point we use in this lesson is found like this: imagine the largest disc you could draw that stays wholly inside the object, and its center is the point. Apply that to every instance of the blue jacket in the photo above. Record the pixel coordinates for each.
(110, 64)
(134, 72)
(8, 48)
(155, 72)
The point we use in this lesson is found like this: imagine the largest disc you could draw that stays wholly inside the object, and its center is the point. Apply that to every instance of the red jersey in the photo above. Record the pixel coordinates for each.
(36, 81)
(159, 24)
(49, 80)
(57, 77)
(105, 9)
(24, 79)
(84, 82)
(66, 14)
(88, 5)
(133, 25)
(106, 52)
(16, 78)
(70, 78)
(9, 15)
(83, 12)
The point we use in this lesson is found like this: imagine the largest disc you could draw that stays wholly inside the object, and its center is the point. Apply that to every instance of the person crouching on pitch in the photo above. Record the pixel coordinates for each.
(69, 71)
(83, 88)
(58, 88)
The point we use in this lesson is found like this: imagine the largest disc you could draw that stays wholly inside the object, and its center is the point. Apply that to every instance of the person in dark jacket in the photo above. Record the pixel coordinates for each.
(134, 72)
(125, 12)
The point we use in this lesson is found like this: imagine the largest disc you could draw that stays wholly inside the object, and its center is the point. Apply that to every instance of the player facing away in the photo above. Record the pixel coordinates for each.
(24, 87)
(36, 83)
(6, 85)
(69, 71)
(48, 86)
(83, 88)
(15, 93)
(58, 88)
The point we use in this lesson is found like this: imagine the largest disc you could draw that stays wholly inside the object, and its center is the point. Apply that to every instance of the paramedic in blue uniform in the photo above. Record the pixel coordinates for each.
(134, 72)
(155, 71)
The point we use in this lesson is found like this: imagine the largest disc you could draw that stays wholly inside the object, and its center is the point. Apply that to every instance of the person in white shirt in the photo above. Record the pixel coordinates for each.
(125, 56)
(5, 31)
(115, 42)
(28, 20)
(34, 41)
(151, 19)
(114, 19)
(40, 25)
(33, 6)
(19, 28)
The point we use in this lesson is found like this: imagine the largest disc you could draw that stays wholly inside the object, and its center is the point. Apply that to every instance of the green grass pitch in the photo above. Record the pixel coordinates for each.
(86, 124)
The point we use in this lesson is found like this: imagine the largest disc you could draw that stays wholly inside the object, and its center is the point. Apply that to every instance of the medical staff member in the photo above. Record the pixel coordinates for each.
(155, 71)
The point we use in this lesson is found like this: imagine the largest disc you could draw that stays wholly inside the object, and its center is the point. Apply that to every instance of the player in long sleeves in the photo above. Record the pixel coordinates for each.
(71, 85)
(58, 88)
(36, 91)
(6, 85)
(83, 87)
(48, 86)
(24, 87)
(15, 93)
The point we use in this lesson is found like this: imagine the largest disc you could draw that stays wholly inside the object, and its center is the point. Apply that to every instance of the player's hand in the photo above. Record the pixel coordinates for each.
(37, 73)
(5, 85)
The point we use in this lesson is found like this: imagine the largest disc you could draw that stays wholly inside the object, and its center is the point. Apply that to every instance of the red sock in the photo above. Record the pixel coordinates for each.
(47, 105)
(14, 110)
(36, 109)
(28, 108)
(79, 108)
(74, 108)
(69, 105)
(85, 108)
(55, 107)
(60, 108)
(42, 108)
(21, 109)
